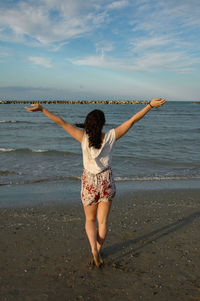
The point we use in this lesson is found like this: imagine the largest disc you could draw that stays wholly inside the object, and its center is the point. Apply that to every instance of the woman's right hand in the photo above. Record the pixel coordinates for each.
(157, 102)
(36, 107)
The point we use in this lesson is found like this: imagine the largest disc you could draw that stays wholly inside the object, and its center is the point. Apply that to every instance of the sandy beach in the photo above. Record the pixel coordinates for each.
(151, 251)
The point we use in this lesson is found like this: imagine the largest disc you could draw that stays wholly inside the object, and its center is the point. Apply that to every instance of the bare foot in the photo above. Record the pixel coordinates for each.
(101, 259)
(100, 256)
(96, 258)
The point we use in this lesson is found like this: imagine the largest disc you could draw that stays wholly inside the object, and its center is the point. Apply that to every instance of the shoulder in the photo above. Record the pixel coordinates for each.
(110, 136)
(84, 138)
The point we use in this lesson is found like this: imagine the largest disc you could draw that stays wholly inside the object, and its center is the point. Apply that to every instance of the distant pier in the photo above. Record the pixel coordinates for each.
(74, 102)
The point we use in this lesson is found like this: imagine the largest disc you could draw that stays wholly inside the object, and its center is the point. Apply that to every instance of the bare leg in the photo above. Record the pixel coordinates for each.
(102, 217)
(91, 230)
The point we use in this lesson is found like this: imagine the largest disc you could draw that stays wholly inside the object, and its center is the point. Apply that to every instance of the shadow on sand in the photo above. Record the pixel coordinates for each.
(149, 238)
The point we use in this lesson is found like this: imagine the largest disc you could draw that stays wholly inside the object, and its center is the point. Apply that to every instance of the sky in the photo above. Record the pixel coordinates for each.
(95, 49)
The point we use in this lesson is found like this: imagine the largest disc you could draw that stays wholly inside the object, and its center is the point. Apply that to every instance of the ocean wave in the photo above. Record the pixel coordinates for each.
(156, 178)
(7, 149)
(31, 150)
(8, 121)
(38, 150)
(117, 179)
(44, 180)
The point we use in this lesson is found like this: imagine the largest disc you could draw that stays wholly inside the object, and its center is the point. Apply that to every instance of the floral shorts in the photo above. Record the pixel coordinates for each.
(97, 187)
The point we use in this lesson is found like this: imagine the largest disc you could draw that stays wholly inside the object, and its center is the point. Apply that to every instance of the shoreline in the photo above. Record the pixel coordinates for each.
(151, 251)
(62, 193)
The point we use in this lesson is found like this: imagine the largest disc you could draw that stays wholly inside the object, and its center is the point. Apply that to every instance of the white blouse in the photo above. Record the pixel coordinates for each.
(96, 160)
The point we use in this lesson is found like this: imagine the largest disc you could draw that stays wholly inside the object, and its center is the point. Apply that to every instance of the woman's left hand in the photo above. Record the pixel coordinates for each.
(157, 102)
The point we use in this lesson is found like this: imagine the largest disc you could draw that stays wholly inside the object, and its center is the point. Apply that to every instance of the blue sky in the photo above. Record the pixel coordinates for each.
(95, 49)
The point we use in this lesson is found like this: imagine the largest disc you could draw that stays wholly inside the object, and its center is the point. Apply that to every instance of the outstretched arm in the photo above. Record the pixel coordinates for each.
(72, 130)
(124, 127)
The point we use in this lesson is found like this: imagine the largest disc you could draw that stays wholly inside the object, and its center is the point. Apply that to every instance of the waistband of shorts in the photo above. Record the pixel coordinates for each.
(95, 174)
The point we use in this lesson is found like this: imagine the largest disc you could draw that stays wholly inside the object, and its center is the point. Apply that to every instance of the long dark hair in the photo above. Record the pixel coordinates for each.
(93, 125)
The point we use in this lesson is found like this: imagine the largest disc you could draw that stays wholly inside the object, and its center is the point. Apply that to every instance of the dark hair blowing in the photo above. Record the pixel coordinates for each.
(93, 125)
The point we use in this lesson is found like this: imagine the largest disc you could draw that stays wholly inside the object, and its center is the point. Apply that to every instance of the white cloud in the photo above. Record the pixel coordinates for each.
(117, 4)
(175, 61)
(105, 46)
(166, 35)
(40, 61)
(155, 35)
(49, 21)
(94, 61)
(142, 44)
(166, 16)
(164, 52)
(148, 62)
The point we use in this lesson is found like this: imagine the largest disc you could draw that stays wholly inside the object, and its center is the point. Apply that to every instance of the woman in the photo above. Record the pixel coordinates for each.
(98, 186)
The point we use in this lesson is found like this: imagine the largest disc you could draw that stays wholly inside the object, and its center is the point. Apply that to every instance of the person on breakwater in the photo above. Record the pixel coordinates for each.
(97, 183)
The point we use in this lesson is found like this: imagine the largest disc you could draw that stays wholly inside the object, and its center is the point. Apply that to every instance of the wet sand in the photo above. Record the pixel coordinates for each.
(152, 251)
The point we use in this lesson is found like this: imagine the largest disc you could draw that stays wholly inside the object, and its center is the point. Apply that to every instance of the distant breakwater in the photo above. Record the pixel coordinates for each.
(74, 102)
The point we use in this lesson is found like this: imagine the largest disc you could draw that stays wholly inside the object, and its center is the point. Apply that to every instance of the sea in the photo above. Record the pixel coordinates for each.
(41, 164)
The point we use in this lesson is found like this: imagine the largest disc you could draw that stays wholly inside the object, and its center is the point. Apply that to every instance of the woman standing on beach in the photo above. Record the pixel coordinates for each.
(97, 187)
